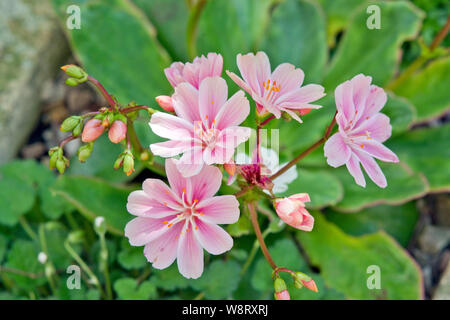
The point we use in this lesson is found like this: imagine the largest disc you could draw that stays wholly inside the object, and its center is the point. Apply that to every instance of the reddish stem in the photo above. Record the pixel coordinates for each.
(103, 91)
(66, 140)
(267, 120)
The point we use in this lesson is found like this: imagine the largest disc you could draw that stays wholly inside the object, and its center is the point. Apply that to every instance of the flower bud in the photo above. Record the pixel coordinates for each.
(74, 71)
(118, 131)
(292, 211)
(42, 257)
(84, 152)
(53, 158)
(304, 111)
(76, 236)
(165, 102)
(302, 279)
(92, 130)
(230, 168)
(311, 285)
(281, 292)
(61, 165)
(72, 82)
(118, 163)
(100, 225)
(128, 163)
(77, 130)
(70, 123)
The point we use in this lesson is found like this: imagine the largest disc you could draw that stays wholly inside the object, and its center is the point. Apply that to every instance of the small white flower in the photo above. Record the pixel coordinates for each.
(42, 257)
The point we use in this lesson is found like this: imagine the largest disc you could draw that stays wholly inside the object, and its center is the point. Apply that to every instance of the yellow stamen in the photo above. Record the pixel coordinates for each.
(165, 222)
(362, 146)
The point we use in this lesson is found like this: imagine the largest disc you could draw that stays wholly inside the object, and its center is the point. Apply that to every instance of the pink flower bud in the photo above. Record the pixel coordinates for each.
(283, 295)
(92, 130)
(311, 285)
(118, 131)
(165, 102)
(292, 211)
(230, 168)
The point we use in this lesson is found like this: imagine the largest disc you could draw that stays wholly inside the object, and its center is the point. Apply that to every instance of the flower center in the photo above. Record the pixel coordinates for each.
(270, 88)
(207, 135)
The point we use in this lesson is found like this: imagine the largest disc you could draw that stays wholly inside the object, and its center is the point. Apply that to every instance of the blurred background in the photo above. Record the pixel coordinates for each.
(403, 230)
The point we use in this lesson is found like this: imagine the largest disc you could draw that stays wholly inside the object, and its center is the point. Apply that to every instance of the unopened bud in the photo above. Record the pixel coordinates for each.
(74, 71)
(53, 159)
(100, 225)
(76, 236)
(311, 285)
(70, 123)
(304, 111)
(42, 257)
(144, 156)
(230, 168)
(118, 131)
(302, 279)
(128, 164)
(281, 292)
(118, 163)
(165, 102)
(84, 152)
(61, 165)
(92, 130)
(77, 130)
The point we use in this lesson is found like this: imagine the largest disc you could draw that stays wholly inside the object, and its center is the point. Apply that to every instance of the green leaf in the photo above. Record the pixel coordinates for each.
(426, 151)
(117, 45)
(242, 227)
(231, 27)
(403, 185)
(55, 235)
(94, 197)
(40, 178)
(219, 280)
(296, 34)
(401, 112)
(169, 279)
(3, 247)
(170, 19)
(374, 52)
(16, 198)
(428, 90)
(131, 257)
(128, 289)
(23, 256)
(323, 188)
(398, 221)
(346, 268)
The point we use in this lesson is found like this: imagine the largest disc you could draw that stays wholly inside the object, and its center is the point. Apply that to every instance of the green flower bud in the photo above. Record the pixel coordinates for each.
(70, 123)
(76, 236)
(74, 71)
(85, 151)
(61, 165)
(118, 162)
(100, 225)
(128, 164)
(53, 159)
(72, 82)
(279, 285)
(77, 130)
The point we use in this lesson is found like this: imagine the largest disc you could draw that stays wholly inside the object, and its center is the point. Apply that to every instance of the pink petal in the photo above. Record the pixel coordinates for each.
(212, 67)
(308, 221)
(220, 209)
(191, 162)
(206, 183)
(336, 150)
(217, 155)
(288, 77)
(344, 100)
(175, 73)
(141, 231)
(171, 127)
(377, 127)
(355, 170)
(169, 148)
(255, 69)
(178, 183)
(241, 83)
(301, 97)
(233, 112)
(361, 88)
(213, 94)
(292, 114)
(212, 238)
(189, 256)
(160, 192)
(375, 101)
(231, 137)
(162, 251)
(185, 102)
(303, 197)
(141, 204)
(372, 168)
(374, 149)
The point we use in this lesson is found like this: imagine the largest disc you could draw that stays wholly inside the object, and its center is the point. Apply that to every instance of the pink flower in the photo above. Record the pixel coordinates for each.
(179, 221)
(201, 68)
(362, 130)
(118, 131)
(311, 285)
(92, 130)
(205, 129)
(276, 91)
(292, 211)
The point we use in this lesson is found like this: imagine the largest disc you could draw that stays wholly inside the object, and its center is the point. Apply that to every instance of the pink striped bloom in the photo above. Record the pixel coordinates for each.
(278, 91)
(362, 130)
(205, 129)
(293, 212)
(179, 221)
(194, 73)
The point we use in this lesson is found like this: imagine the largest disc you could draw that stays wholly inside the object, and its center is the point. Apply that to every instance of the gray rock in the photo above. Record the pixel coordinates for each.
(32, 46)
(442, 213)
(433, 239)
(442, 291)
